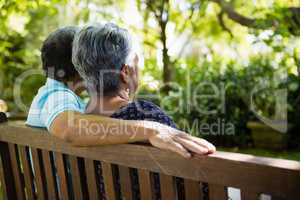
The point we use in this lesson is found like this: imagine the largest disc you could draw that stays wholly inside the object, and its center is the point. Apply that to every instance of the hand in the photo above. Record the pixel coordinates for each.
(180, 142)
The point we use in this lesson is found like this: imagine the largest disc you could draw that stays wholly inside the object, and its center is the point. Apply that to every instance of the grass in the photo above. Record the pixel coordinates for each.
(289, 155)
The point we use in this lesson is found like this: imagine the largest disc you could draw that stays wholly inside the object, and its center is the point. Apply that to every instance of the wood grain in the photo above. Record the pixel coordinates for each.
(167, 187)
(49, 175)
(3, 180)
(125, 183)
(6, 173)
(192, 189)
(18, 176)
(27, 170)
(249, 195)
(91, 178)
(76, 178)
(235, 170)
(145, 184)
(38, 174)
(108, 181)
(61, 172)
(217, 192)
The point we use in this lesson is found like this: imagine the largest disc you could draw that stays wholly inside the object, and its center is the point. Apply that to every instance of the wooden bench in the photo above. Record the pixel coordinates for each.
(28, 157)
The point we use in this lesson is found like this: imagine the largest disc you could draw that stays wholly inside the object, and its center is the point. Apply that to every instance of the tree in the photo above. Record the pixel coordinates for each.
(282, 20)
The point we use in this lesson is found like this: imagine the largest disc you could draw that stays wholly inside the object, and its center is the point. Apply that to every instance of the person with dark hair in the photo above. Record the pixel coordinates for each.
(58, 107)
(56, 55)
(60, 92)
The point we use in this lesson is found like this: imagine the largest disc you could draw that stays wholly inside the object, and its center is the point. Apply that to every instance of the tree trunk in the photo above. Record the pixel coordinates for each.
(167, 72)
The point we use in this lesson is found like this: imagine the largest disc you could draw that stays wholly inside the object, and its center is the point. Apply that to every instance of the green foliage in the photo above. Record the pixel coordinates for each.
(21, 32)
(203, 44)
(24, 25)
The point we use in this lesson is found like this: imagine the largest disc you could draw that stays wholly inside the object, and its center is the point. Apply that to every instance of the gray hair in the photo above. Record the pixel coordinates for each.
(98, 55)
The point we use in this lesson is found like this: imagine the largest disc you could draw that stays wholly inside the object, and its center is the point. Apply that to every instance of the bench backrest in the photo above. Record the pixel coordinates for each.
(35, 164)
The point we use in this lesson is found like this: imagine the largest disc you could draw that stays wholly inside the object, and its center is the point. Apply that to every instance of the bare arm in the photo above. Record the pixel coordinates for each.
(91, 130)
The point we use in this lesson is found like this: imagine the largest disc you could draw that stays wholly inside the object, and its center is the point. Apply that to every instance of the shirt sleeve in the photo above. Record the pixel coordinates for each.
(56, 103)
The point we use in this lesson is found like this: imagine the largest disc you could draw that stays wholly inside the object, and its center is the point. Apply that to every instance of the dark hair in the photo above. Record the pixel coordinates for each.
(98, 55)
(57, 54)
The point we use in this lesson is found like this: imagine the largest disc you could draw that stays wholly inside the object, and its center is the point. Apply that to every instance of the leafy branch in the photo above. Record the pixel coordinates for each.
(288, 17)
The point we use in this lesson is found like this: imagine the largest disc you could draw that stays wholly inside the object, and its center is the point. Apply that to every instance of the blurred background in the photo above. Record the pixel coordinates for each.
(228, 47)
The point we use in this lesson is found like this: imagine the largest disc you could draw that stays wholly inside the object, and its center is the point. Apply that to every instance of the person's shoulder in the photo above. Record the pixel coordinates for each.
(55, 93)
(58, 101)
(146, 105)
(153, 112)
(52, 99)
(147, 108)
(138, 109)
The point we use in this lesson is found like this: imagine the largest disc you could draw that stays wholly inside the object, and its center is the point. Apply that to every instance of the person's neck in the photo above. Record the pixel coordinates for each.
(76, 86)
(107, 105)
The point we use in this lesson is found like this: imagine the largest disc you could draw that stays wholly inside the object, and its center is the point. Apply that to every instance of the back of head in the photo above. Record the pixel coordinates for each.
(56, 54)
(98, 55)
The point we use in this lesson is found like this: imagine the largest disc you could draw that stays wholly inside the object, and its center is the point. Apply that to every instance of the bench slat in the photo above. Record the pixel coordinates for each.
(249, 195)
(27, 169)
(108, 181)
(7, 182)
(145, 184)
(18, 176)
(50, 176)
(193, 189)
(91, 178)
(236, 170)
(3, 181)
(61, 172)
(38, 174)
(167, 187)
(125, 182)
(77, 184)
(278, 198)
(217, 192)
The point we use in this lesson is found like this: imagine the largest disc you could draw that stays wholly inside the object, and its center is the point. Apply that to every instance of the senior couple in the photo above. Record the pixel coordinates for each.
(103, 58)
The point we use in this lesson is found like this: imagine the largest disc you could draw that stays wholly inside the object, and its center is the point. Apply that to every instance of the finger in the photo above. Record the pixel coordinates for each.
(211, 148)
(192, 146)
(178, 148)
(209, 145)
(199, 141)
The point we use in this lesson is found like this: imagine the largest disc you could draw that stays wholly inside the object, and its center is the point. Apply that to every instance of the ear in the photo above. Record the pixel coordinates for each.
(124, 74)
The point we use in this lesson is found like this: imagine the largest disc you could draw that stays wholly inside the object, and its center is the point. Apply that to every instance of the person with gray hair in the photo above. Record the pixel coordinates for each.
(104, 57)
